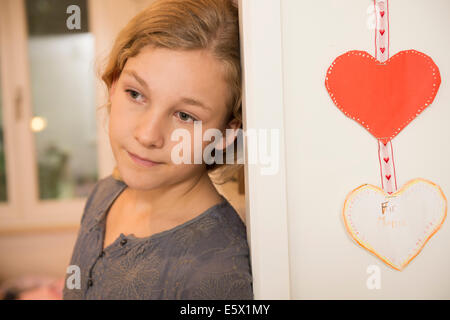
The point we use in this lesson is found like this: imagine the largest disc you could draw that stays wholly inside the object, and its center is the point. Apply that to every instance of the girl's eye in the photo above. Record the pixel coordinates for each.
(133, 94)
(185, 117)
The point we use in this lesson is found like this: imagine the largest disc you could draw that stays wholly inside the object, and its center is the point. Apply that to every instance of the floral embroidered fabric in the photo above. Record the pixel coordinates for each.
(206, 257)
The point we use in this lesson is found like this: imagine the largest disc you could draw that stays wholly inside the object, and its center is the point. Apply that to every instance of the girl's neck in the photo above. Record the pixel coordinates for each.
(184, 199)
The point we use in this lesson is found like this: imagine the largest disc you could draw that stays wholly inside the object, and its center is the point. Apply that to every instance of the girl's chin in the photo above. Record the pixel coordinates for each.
(140, 184)
(143, 178)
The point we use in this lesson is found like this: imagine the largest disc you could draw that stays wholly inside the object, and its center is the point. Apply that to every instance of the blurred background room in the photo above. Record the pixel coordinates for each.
(53, 134)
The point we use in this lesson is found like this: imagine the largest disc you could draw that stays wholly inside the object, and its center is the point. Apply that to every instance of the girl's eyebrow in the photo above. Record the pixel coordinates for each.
(186, 100)
(194, 102)
(138, 79)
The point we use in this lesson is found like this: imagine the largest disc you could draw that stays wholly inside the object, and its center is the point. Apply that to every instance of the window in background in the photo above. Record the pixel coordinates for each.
(63, 99)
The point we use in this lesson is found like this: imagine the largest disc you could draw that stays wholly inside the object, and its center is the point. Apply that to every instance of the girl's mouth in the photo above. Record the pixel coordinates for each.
(142, 162)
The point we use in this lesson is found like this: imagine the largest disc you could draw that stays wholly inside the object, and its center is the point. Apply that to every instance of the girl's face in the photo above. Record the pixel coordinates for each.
(159, 91)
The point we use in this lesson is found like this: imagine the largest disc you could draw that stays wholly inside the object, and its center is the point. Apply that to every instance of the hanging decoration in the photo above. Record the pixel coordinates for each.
(384, 95)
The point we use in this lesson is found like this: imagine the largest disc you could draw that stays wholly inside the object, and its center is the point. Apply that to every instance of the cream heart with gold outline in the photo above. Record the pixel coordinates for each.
(395, 227)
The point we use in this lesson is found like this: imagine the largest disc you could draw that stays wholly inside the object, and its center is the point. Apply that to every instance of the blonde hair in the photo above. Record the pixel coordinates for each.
(186, 25)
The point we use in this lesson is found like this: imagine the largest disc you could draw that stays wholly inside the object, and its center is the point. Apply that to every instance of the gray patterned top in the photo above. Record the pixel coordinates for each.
(206, 257)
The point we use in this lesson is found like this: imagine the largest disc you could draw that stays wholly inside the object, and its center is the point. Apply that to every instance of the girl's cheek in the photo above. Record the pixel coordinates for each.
(121, 125)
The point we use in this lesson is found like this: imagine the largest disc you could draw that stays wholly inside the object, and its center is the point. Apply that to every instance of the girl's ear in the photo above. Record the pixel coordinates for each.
(227, 138)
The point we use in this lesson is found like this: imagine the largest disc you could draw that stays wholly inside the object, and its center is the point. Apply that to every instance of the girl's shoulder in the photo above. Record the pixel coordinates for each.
(102, 193)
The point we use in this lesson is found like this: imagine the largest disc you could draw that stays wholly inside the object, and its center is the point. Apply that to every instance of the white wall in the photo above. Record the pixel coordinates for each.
(328, 154)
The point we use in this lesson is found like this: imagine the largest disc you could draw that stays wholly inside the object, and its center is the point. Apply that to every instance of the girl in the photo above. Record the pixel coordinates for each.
(156, 229)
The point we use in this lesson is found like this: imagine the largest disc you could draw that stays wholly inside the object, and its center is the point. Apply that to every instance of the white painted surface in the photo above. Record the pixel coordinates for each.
(263, 109)
(328, 155)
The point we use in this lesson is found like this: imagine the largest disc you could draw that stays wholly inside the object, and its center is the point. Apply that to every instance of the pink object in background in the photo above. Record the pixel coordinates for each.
(51, 291)
(32, 288)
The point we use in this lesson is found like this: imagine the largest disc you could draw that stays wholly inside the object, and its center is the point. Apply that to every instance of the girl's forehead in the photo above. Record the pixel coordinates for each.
(196, 61)
(194, 69)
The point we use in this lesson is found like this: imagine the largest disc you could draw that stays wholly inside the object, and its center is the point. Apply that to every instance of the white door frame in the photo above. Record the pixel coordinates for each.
(266, 203)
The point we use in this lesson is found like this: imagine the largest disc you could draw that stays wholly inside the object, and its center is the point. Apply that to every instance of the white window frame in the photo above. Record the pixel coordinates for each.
(24, 211)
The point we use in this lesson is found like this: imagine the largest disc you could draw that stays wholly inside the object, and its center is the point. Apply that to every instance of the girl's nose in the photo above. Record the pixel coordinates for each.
(149, 133)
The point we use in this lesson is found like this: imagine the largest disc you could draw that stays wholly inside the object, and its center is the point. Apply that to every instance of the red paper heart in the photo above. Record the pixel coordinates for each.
(383, 97)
